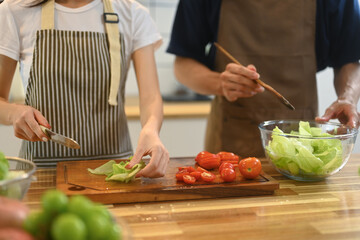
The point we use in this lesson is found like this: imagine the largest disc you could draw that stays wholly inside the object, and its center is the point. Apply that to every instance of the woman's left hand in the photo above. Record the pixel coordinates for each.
(150, 144)
(344, 111)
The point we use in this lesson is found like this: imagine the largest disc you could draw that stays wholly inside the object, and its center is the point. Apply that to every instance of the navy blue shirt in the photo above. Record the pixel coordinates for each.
(337, 31)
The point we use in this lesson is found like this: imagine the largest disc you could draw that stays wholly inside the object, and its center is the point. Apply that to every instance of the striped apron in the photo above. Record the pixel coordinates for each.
(69, 84)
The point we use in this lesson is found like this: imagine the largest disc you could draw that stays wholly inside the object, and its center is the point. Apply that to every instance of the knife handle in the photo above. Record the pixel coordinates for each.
(45, 130)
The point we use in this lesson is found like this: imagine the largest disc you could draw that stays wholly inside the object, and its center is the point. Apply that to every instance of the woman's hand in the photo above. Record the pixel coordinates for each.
(238, 82)
(344, 111)
(150, 144)
(26, 120)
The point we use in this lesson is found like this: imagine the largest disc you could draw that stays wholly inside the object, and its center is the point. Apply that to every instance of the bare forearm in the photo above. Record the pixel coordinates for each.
(151, 113)
(7, 70)
(347, 83)
(197, 76)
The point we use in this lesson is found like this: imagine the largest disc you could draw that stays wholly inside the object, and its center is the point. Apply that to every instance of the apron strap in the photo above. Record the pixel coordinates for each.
(47, 15)
(111, 20)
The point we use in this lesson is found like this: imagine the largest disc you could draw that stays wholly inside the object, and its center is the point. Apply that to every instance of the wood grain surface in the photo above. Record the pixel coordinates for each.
(323, 210)
(74, 178)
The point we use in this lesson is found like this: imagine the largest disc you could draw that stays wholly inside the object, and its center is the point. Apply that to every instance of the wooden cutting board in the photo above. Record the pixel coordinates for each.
(73, 178)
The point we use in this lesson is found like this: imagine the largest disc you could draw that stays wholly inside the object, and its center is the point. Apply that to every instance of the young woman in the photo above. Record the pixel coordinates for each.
(74, 57)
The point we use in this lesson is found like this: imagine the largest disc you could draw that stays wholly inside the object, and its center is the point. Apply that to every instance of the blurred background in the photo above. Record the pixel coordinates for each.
(183, 136)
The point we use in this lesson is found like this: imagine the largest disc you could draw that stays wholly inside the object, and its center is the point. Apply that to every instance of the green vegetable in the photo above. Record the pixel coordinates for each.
(75, 218)
(118, 171)
(305, 156)
(4, 166)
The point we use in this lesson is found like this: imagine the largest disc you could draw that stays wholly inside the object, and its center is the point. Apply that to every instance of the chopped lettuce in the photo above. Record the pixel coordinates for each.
(305, 156)
(4, 166)
(118, 171)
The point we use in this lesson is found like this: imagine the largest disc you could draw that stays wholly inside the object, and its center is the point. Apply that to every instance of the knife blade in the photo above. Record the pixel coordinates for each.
(60, 139)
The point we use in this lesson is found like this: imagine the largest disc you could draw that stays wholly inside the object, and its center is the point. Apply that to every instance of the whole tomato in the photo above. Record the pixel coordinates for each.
(228, 174)
(250, 167)
(225, 165)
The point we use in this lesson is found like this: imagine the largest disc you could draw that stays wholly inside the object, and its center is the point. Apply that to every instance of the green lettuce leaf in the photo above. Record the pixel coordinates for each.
(4, 166)
(118, 171)
(307, 156)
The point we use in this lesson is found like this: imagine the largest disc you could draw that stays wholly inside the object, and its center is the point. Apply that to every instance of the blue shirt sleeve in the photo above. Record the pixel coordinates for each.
(337, 33)
(194, 27)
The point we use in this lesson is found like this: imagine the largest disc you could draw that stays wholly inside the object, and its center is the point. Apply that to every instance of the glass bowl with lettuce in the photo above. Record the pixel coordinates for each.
(16, 175)
(307, 150)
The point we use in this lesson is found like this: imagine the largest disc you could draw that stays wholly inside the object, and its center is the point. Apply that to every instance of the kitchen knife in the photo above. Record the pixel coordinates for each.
(60, 139)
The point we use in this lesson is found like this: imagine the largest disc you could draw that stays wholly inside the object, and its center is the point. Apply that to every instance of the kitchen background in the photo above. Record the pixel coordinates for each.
(182, 136)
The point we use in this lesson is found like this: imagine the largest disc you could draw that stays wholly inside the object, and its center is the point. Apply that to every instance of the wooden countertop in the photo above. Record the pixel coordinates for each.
(328, 210)
(186, 109)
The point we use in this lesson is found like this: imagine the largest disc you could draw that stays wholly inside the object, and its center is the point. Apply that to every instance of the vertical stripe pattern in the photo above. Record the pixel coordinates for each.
(69, 84)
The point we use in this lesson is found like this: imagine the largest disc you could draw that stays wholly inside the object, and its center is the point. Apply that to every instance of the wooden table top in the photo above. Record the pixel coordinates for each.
(328, 209)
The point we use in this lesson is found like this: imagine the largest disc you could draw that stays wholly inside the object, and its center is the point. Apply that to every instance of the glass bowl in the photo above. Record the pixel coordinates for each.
(20, 175)
(309, 153)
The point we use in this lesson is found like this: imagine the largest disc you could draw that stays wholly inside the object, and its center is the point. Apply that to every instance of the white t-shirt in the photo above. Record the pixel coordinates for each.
(19, 24)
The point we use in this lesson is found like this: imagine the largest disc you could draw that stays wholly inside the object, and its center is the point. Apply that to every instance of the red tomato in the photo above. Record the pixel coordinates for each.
(196, 174)
(189, 179)
(228, 156)
(250, 167)
(187, 168)
(208, 160)
(201, 155)
(225, 165)
(228, 174)
(200, 169)
(179, 175)
(207, 176)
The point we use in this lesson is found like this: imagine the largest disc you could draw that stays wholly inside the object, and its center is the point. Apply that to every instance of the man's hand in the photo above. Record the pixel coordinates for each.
(238, 82)
(344, 111)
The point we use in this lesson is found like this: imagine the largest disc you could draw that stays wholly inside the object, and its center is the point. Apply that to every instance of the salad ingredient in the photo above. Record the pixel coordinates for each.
(68, 226)
(196, 175)
(250, 167)
(54, 201)
(208, 160)
(188, 179)
(78, 218)
(207, 176)
(180, 175)
(228, 157)
(4, 166)
(225, 165)
(118, 171)
(305, 155)
(228, 174)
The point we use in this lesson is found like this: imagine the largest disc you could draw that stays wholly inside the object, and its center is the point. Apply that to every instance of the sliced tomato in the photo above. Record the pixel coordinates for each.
(188, 179)
(207, 176)
(228, 156)
(200, 169)
(208, 160)
(179, 175)
(196, 174)
(250, 167)
(228, 174)
(225, 165)
(187, 168)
